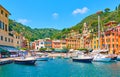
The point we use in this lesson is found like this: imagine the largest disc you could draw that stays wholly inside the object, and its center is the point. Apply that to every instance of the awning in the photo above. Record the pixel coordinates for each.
(9, 48)
(2, 50)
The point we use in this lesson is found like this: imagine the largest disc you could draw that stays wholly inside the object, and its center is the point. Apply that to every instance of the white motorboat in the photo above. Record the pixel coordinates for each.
(118, 58)
(83, 58)
(26, 61)
(101, 58)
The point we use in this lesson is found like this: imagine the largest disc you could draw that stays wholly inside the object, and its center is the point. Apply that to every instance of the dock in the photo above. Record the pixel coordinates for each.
(6, 61)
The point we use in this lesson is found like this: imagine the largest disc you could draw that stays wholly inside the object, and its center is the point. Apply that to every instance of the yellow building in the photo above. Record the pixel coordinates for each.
(63, 44)
(7, 38)
(73, 40)
(95, 43)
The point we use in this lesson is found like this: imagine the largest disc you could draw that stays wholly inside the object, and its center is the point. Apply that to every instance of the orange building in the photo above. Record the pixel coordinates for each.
(110, 39)
(56, 44)
(73, 40)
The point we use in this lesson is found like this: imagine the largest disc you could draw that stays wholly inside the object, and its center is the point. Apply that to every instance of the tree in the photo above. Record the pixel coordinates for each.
(42, 49)
(107, 10)
(119, 10)
(65, 49)
(116, 8)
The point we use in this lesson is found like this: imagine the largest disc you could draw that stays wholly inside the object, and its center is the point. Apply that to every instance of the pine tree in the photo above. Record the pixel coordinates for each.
(116, 8)
(107, 10)
(119, 10)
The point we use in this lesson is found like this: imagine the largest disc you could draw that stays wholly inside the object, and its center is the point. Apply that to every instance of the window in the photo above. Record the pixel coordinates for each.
(1, 11)
(116, 40)
(108, 45)
(6, 15)
(1, 25)
(5, 27)
(41, 42)
(116, 45)
(11, 40)
(6, 39)
(113, 34)
(18, 37)
(113, 45)
(113, 40)
(1, 37)
(37, 48)
(17, 42)
(94, 46)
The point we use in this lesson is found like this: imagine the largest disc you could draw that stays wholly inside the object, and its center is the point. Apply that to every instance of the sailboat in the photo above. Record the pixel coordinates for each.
(100, 57)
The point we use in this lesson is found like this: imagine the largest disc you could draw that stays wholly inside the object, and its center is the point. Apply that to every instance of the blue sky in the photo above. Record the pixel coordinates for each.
(57, 14)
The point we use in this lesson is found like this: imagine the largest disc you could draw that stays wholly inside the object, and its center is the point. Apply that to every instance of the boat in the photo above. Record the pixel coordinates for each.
(101, 58)
(83, 58)
(118, 57)
(113, 57)
(101, 55)
(26, 61)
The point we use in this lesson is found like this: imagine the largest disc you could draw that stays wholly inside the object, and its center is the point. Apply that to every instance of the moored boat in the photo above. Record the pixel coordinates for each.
(26, 61)
(118, 58)
(83, 58)
(101, 58)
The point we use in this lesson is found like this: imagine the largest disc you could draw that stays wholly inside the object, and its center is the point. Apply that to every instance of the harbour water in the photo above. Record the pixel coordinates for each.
(61, 68)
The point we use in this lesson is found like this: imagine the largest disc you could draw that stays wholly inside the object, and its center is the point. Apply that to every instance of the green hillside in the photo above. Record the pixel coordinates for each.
(32, 34)
(92, 22)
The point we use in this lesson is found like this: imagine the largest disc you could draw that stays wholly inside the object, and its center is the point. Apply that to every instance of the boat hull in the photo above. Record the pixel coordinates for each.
(83, 60)
(102, 59)
(118, 58)
(26, 62)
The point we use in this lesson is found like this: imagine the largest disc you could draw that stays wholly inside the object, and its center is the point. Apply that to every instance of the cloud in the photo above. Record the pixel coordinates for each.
(80, 11)
(55, 15)
(23, 21)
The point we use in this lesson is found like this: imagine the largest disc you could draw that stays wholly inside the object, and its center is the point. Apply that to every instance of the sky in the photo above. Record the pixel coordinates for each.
(58, 14)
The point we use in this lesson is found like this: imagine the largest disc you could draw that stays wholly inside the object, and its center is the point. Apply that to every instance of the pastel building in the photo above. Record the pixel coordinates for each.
(63, 44)
(5, 37)
(37, 44)
(24, 42)
(110, 39)
(8, 38)
(85, 37)
(56, 44)
(48, 43)
(95, 42)
(73, 40)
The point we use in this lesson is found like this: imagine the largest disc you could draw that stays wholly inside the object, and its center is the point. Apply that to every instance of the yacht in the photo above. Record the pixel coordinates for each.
(26, 61)
(101, 58)
(83, 58)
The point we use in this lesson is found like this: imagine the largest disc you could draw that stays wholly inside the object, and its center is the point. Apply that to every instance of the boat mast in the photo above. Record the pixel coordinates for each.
(98, 32)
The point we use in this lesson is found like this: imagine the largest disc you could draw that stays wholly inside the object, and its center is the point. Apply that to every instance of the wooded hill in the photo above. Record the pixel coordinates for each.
(92, 22)
(32, 34)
